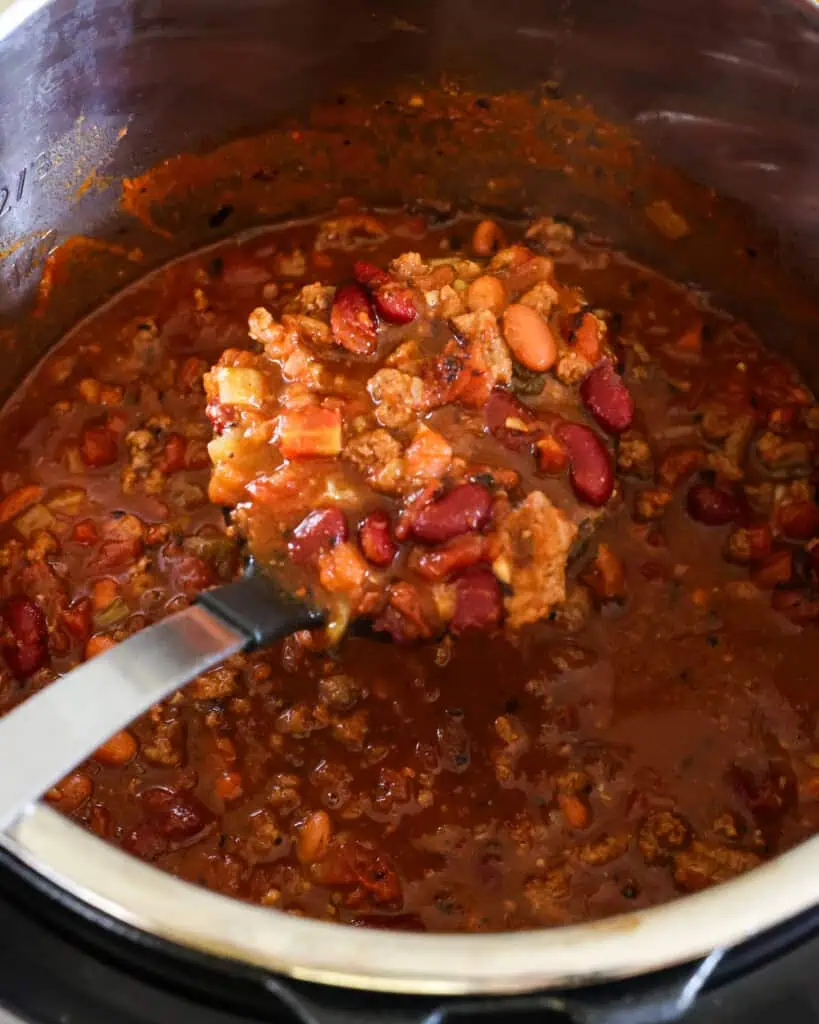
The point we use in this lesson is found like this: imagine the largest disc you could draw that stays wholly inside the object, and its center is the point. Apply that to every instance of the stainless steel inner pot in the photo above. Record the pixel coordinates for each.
(94, 90)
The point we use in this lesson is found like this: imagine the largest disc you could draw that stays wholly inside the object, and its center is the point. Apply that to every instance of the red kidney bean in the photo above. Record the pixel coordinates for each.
(375, 538)
(175, 816)
(395, 303)
(318, 531)
(98, 446)
(478, 602)
(798, 520)
(607, 398)
(465, 509)
(502, 407)
(145, 842)
(459, 553)
(590, 471)
(712, 506)
(191, 574)
(369, 274)
(26, 648)
(352, 320)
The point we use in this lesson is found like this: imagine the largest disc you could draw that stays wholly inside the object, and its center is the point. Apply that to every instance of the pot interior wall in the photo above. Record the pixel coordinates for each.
(104, 90)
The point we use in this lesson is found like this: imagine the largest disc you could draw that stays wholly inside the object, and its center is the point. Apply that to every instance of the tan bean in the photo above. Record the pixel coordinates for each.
(71, 793)
(529, 337)
(486, 292)
(487, 238)
(118, 750)
(314, 837)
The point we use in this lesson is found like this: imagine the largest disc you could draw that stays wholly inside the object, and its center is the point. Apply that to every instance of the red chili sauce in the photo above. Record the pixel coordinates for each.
(579, 507)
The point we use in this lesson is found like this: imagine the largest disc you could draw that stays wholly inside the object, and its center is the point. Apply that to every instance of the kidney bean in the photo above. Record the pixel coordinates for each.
(375, 538)
(191, 574)
(712, 505)
(590, 472)
(145, 842)
(529, 337)
(26, 648)
(607, 398)
(175, 816)
(395, 303)
(767, 793)
(508, 418)
(464, 509)
(369, 275)
(798, 520)
(478, 602)
(352, 320)
(457, 554)
(317, 532)
(98, 446)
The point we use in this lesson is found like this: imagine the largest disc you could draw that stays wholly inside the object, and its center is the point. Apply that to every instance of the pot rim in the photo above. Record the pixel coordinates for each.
(136, 894)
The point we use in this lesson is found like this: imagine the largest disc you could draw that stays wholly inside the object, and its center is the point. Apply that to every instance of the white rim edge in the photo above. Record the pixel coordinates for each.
(157, 903)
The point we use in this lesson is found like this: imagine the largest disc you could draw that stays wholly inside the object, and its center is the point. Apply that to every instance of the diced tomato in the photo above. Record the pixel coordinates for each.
(310, 432)
(98, 446)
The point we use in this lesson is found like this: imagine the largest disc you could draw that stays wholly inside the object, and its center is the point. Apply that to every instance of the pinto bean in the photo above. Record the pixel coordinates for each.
(352, 320)
(118, 750)
(529, 337)
(486, 292)
(466, 508)
(487, 238)
(25, 647)
(712, 505)
(317, 532)
(478, 601)
(315, 833)
(71, 793)
(375, 538)
(607, 398)
(590, 470)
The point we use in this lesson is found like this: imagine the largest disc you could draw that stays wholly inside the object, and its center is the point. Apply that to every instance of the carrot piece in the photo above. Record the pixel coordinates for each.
(18, 501)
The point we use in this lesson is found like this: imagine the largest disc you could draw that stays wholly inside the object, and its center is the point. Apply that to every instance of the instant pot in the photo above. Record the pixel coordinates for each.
(132, 131)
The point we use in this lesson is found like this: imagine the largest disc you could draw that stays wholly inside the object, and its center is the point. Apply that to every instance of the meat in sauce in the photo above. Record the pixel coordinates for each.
(636, 718)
